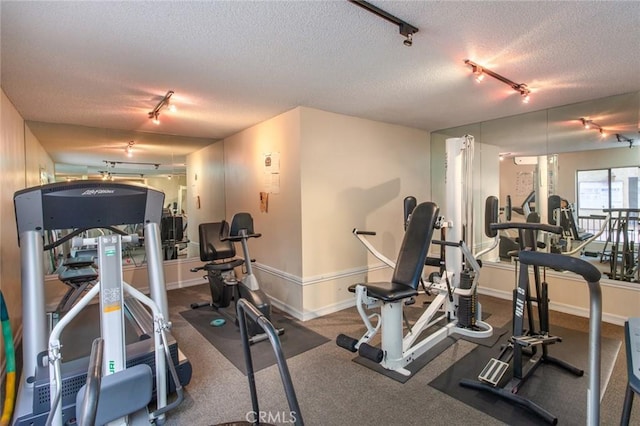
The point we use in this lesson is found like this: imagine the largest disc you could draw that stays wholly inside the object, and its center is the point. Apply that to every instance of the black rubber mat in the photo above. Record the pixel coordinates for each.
(556, 390)
(226, 339)
(431, 354)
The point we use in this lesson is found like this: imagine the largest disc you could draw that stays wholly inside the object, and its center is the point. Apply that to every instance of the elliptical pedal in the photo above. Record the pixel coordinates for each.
(494, 370)
(538, 339)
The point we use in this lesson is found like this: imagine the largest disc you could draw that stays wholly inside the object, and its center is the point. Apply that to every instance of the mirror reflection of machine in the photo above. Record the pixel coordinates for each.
(172, 232)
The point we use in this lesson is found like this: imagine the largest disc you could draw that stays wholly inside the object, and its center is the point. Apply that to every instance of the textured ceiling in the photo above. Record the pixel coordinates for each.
(233, 64)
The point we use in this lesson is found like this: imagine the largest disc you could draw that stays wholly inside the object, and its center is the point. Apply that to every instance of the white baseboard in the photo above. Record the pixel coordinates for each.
(309, 315)
(559, 307)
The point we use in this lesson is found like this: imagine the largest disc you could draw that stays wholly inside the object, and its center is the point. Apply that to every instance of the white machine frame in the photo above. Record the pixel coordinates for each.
(111, 289)
(399, 348)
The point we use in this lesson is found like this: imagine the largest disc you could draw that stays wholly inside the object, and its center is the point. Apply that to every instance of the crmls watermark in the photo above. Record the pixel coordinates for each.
(271, 417)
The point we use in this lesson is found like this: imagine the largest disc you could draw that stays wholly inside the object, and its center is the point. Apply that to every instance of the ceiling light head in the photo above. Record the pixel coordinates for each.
(477, 71)
(405, 28)
(129, 149)
(603, 134)
(156, 119)
(409, 40)
(586, 123)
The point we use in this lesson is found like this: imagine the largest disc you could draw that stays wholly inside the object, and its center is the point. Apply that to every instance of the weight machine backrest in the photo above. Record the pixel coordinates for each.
(415, 245)
(491, 212)
(211, 246)
(239, 222)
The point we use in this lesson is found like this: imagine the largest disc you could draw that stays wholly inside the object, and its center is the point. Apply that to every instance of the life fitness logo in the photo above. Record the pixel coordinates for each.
(98, 191)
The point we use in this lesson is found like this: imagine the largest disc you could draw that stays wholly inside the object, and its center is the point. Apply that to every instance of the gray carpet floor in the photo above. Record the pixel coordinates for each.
(334, 390)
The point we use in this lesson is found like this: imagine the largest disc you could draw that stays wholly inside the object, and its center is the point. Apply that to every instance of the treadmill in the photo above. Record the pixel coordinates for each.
(83, 205)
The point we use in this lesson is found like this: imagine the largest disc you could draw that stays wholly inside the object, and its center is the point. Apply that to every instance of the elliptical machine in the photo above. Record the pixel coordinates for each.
(218, 249)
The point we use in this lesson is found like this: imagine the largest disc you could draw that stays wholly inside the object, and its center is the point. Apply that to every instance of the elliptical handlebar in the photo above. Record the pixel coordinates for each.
(239, 237)
(586, 270)
(527, 225)
(592, 276)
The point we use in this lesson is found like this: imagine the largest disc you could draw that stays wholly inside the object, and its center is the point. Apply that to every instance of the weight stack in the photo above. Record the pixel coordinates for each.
(467, 305)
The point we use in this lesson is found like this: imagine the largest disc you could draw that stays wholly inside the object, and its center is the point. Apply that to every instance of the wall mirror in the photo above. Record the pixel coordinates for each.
(159, 161)
(531, 156)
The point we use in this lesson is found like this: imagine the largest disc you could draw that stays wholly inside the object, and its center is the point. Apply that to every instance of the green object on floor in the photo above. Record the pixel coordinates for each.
(218, 322)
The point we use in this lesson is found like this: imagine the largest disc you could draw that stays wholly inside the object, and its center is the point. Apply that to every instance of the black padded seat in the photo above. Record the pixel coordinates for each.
(411, 259)
(223, 266)
(388, 292)
(78, 275)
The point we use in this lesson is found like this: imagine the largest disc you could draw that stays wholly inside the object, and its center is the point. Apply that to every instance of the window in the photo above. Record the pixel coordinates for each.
(616, 188)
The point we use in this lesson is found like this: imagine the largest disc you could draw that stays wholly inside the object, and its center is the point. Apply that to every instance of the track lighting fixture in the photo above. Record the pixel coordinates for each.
(112, 164)
(107, 175)
(405, 29)
(590, 124)
(479, 72)
(622, 138)
(165, 102)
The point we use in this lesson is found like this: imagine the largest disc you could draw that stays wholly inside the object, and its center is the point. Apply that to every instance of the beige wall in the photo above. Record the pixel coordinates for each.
(205, 184)
(37, 162)
(336, 173)
(355, 174)
(279, 248)
(12, 178)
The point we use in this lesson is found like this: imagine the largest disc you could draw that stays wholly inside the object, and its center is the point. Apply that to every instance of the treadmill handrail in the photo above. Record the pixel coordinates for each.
(592, 276)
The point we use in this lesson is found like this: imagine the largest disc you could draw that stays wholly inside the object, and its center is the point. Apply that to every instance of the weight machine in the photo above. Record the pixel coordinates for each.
(455, 292)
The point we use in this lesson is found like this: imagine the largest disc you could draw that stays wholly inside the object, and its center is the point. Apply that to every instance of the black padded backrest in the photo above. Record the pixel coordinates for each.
(211, 248)
(241, 221)
(568, 222)
(507, 209)
(491, 212)
(553, 209)
(415, 245)
(530, 235)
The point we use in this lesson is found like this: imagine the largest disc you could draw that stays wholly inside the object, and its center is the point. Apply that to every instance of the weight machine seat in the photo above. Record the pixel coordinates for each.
(223, 266)
(411, 259)
(559, 210)
(568, 223)
(387, 292)
(73, 276)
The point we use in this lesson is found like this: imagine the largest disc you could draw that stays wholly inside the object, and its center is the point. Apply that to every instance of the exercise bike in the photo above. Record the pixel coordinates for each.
(218, 249)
